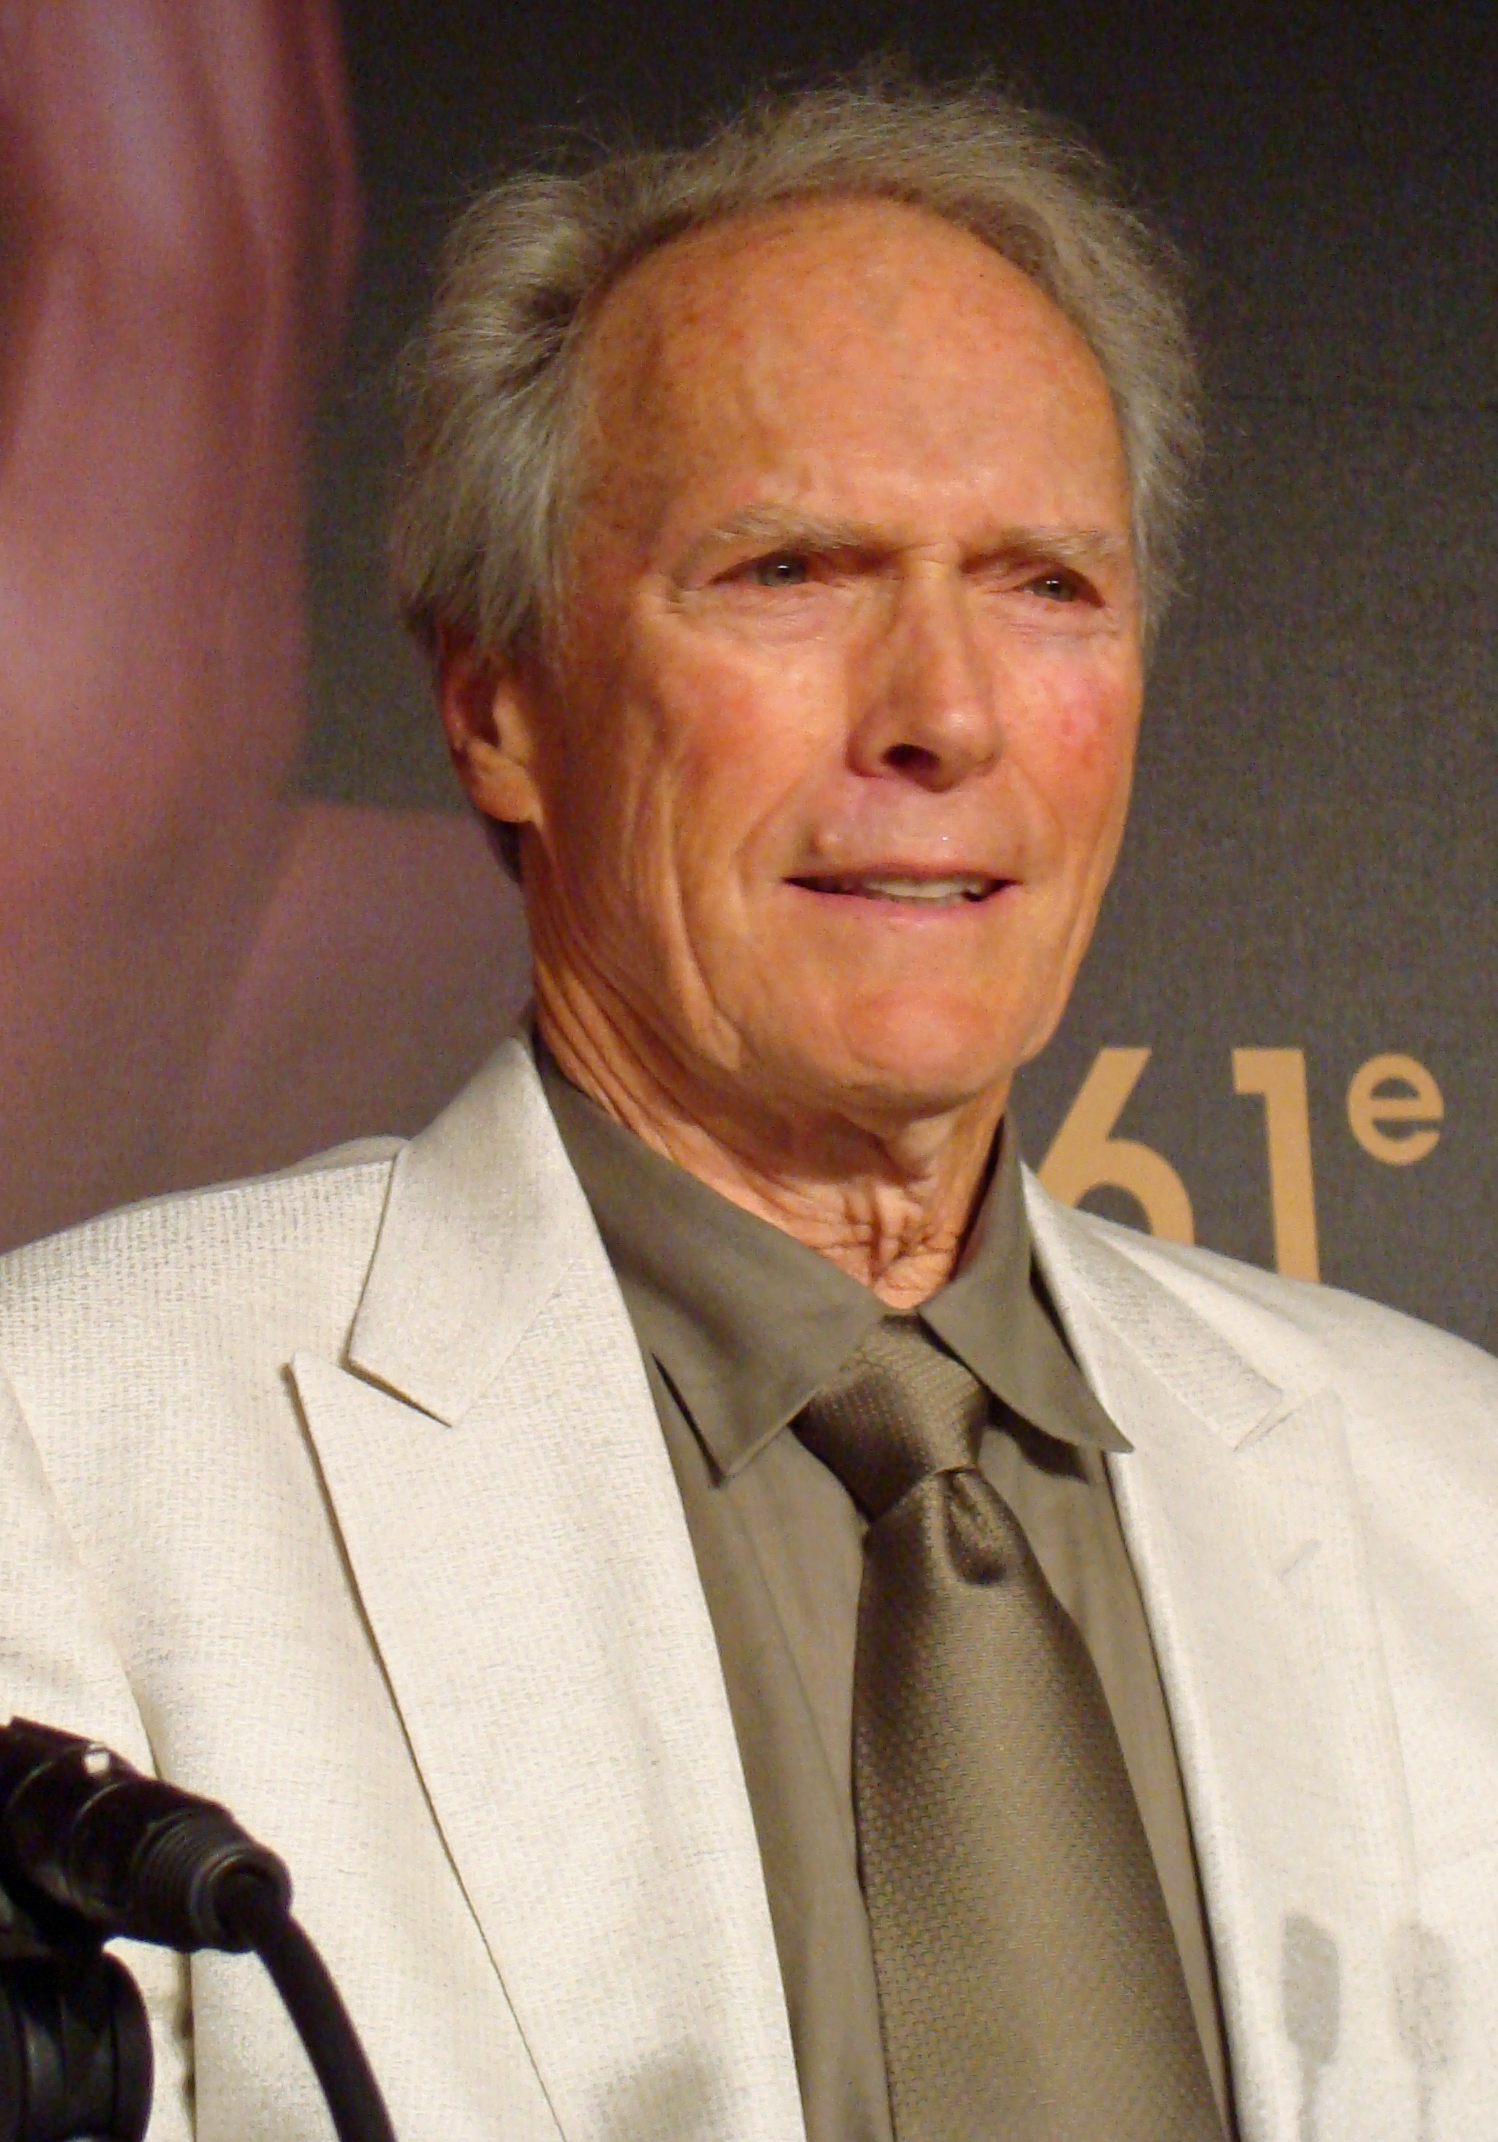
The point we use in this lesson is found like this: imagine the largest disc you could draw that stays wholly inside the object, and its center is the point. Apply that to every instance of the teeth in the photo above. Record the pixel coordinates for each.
(934, 891)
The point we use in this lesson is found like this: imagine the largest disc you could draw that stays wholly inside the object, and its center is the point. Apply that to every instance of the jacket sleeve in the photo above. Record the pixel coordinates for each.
(59, 1665)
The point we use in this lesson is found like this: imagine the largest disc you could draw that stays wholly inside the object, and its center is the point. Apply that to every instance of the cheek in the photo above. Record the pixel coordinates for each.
(732, 742)
(1079, 754)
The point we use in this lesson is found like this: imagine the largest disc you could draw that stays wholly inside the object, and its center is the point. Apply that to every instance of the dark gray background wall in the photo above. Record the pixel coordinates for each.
(1311, 863)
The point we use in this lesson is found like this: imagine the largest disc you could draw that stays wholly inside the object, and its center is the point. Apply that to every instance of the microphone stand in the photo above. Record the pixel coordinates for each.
(89, 1850)
(75, 2047)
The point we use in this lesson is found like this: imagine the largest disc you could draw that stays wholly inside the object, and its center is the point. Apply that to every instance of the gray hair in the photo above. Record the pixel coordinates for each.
(492, 474)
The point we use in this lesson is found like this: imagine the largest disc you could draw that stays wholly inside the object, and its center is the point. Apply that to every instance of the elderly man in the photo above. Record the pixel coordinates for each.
(746, 1621)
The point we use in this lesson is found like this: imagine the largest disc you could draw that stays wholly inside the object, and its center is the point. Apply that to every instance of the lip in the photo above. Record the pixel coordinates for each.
(923, 873)
(840, 889)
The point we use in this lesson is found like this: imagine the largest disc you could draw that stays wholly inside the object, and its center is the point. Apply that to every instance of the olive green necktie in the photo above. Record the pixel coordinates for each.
(1030, 1989)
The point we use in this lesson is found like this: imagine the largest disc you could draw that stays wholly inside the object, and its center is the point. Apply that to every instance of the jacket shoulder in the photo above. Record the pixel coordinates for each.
(1294, 1330)
(287, 1250)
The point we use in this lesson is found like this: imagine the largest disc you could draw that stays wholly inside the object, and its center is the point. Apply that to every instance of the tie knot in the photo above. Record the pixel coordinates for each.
(897, 1410)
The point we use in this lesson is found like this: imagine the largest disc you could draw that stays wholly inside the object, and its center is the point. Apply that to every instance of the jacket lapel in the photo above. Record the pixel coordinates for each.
(1239, 1508)
(491, 1451)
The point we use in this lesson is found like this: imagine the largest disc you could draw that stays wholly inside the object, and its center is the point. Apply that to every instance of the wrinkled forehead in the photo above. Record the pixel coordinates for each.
(848, 320)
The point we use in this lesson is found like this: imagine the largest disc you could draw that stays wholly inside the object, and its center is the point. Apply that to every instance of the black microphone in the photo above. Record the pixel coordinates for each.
(90, 1850)
(129, 1854)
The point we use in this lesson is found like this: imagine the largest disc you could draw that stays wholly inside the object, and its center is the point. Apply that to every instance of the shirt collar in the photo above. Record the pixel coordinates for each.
(746, 1323)
(996, 1317)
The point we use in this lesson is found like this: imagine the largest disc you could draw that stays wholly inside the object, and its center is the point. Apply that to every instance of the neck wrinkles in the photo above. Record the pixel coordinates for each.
(888, 1206)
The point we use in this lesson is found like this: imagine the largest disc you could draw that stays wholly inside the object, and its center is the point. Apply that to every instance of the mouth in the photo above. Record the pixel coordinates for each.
(963, 889)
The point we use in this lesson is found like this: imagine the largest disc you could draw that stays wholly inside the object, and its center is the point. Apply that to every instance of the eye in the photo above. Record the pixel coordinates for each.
(1056, 586)
(784, 569)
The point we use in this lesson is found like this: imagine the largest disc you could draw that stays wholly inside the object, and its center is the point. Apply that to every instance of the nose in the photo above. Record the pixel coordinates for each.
(929, 710)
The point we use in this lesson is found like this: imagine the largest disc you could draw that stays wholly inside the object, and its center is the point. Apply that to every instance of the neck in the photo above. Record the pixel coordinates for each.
(888, 1203)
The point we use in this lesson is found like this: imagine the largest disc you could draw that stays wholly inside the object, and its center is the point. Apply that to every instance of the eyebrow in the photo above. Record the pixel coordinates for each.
(784, 528)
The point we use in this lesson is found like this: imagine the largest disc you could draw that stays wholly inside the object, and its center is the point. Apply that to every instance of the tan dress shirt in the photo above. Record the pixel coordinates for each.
(739, 1324)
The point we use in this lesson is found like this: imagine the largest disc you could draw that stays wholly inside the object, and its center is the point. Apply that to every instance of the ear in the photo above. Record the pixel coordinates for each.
(490, 715)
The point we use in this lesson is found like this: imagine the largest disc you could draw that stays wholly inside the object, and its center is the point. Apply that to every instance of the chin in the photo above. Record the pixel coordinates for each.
(906, 1075)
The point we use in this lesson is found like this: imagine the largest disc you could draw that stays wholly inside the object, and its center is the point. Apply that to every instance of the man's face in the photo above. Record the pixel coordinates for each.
(830, 772)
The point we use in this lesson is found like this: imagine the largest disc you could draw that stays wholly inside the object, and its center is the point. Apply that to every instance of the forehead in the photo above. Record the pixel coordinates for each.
(840, 342)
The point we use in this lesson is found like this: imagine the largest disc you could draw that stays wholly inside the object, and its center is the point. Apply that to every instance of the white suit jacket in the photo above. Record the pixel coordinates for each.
(340, 1497)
